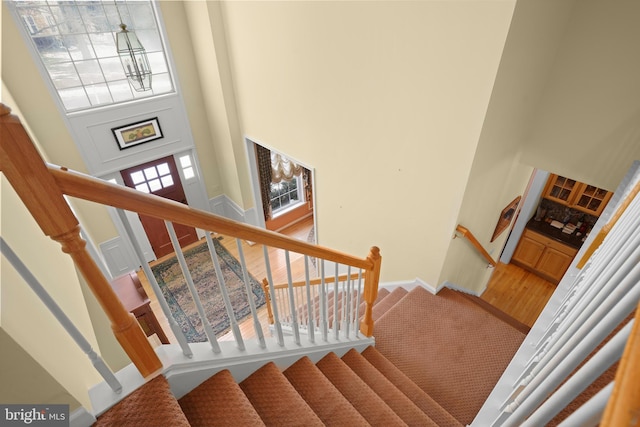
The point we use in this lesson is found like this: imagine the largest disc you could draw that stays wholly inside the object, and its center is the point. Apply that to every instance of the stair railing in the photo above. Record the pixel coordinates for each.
(58, 313)
(464, 232)
(42, 188)
(307, 302)
(584, 338)
(31, 179)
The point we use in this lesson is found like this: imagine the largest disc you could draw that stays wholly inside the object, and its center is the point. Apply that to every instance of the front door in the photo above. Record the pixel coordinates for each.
(160, 177)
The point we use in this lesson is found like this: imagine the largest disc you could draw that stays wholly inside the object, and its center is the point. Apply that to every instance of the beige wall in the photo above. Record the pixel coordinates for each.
(30, 100)
(23, 317)
(497, 175)
(24, 380)
(192, 53)
(384, 99)
(587, 125)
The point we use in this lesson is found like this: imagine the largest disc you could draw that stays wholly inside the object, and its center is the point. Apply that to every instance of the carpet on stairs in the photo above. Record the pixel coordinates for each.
(391, 395)
(365, 400)
(322, 396)
(219, 402)
(421, 399)
(452, 348)
(276, 400)
(383, 305)
(152, 404)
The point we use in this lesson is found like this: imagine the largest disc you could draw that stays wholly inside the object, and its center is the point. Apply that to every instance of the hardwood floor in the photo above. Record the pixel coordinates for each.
(511, 289)
(254, 258)
(518, 292)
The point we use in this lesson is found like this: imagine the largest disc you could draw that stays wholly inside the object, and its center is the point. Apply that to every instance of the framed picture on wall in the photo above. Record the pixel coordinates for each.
(506, 216)
(137, 133)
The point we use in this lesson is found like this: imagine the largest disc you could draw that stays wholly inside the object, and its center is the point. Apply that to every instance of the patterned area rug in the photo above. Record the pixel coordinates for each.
(174, 287)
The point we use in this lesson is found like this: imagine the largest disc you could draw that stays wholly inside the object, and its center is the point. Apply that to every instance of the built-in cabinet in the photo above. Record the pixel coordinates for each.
(546, 257)
(576, 195)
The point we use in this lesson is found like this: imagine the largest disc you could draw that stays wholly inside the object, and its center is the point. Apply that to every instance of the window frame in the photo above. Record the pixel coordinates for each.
(290, 206)
(107, 84)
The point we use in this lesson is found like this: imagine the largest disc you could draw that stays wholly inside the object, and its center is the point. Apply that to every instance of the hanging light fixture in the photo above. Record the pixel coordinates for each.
(133, 57)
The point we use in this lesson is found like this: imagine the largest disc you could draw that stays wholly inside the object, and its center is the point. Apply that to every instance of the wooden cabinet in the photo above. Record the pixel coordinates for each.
(546, 257)
(591, 199)
(576, 195)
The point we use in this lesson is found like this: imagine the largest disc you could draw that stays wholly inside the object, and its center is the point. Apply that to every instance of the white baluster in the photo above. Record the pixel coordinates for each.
(358, 299)
(274, 298)
(166, 310)
(592, 369)
(336, 305)
(233, 322)
(590, 414)
(292, 302)
(57, 312)
(347, 312)
(324, 320)
(252, 304)
(310, 307)
(622, 302)
(208, 330)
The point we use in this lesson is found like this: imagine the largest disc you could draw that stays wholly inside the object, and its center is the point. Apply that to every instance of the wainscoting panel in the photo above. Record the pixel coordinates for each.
(116, 254)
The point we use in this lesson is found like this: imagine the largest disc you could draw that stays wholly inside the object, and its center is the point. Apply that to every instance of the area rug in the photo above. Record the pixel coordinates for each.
(174, 287)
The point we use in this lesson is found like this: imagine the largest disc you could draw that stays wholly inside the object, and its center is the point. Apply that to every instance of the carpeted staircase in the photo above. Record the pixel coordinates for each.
(436, 359)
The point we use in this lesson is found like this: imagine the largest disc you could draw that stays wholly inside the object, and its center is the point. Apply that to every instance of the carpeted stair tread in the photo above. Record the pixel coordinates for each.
(387, 302)
(150, 405)
(219, 401)
(392, 396)
(322, 396)
(421, 399)
(276, 400)
(363, 398)
(455, 351)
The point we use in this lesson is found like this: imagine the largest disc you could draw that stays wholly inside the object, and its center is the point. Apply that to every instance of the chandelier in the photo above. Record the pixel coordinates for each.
(134, 58)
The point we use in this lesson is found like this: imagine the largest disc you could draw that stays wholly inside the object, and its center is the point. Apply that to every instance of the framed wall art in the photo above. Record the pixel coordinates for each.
(137, 133)
(506, 216)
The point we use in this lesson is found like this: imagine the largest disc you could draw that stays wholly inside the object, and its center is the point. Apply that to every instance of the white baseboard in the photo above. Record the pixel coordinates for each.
(81, 418)
(461, 289)
(409, 285)
(224, 206)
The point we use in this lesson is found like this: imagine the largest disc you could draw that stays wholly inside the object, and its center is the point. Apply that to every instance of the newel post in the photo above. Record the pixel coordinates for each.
(22, 165)
(370, 293)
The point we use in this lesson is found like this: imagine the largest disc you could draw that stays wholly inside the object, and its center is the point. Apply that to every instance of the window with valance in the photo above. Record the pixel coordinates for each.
(283, 183)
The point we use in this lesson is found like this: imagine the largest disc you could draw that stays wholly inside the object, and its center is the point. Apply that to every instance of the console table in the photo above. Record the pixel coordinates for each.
(135, 300)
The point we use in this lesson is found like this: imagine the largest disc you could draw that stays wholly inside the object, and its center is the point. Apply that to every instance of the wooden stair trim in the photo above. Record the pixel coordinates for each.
(496, 312)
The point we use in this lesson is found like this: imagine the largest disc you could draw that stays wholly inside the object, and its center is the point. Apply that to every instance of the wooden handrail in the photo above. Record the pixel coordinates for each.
(464, 232)
(370, 292)
(85, 187)
(50, 183)
(316, 281)
(604, 231)
(298, 284)
(23, 167)
(623, 408)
